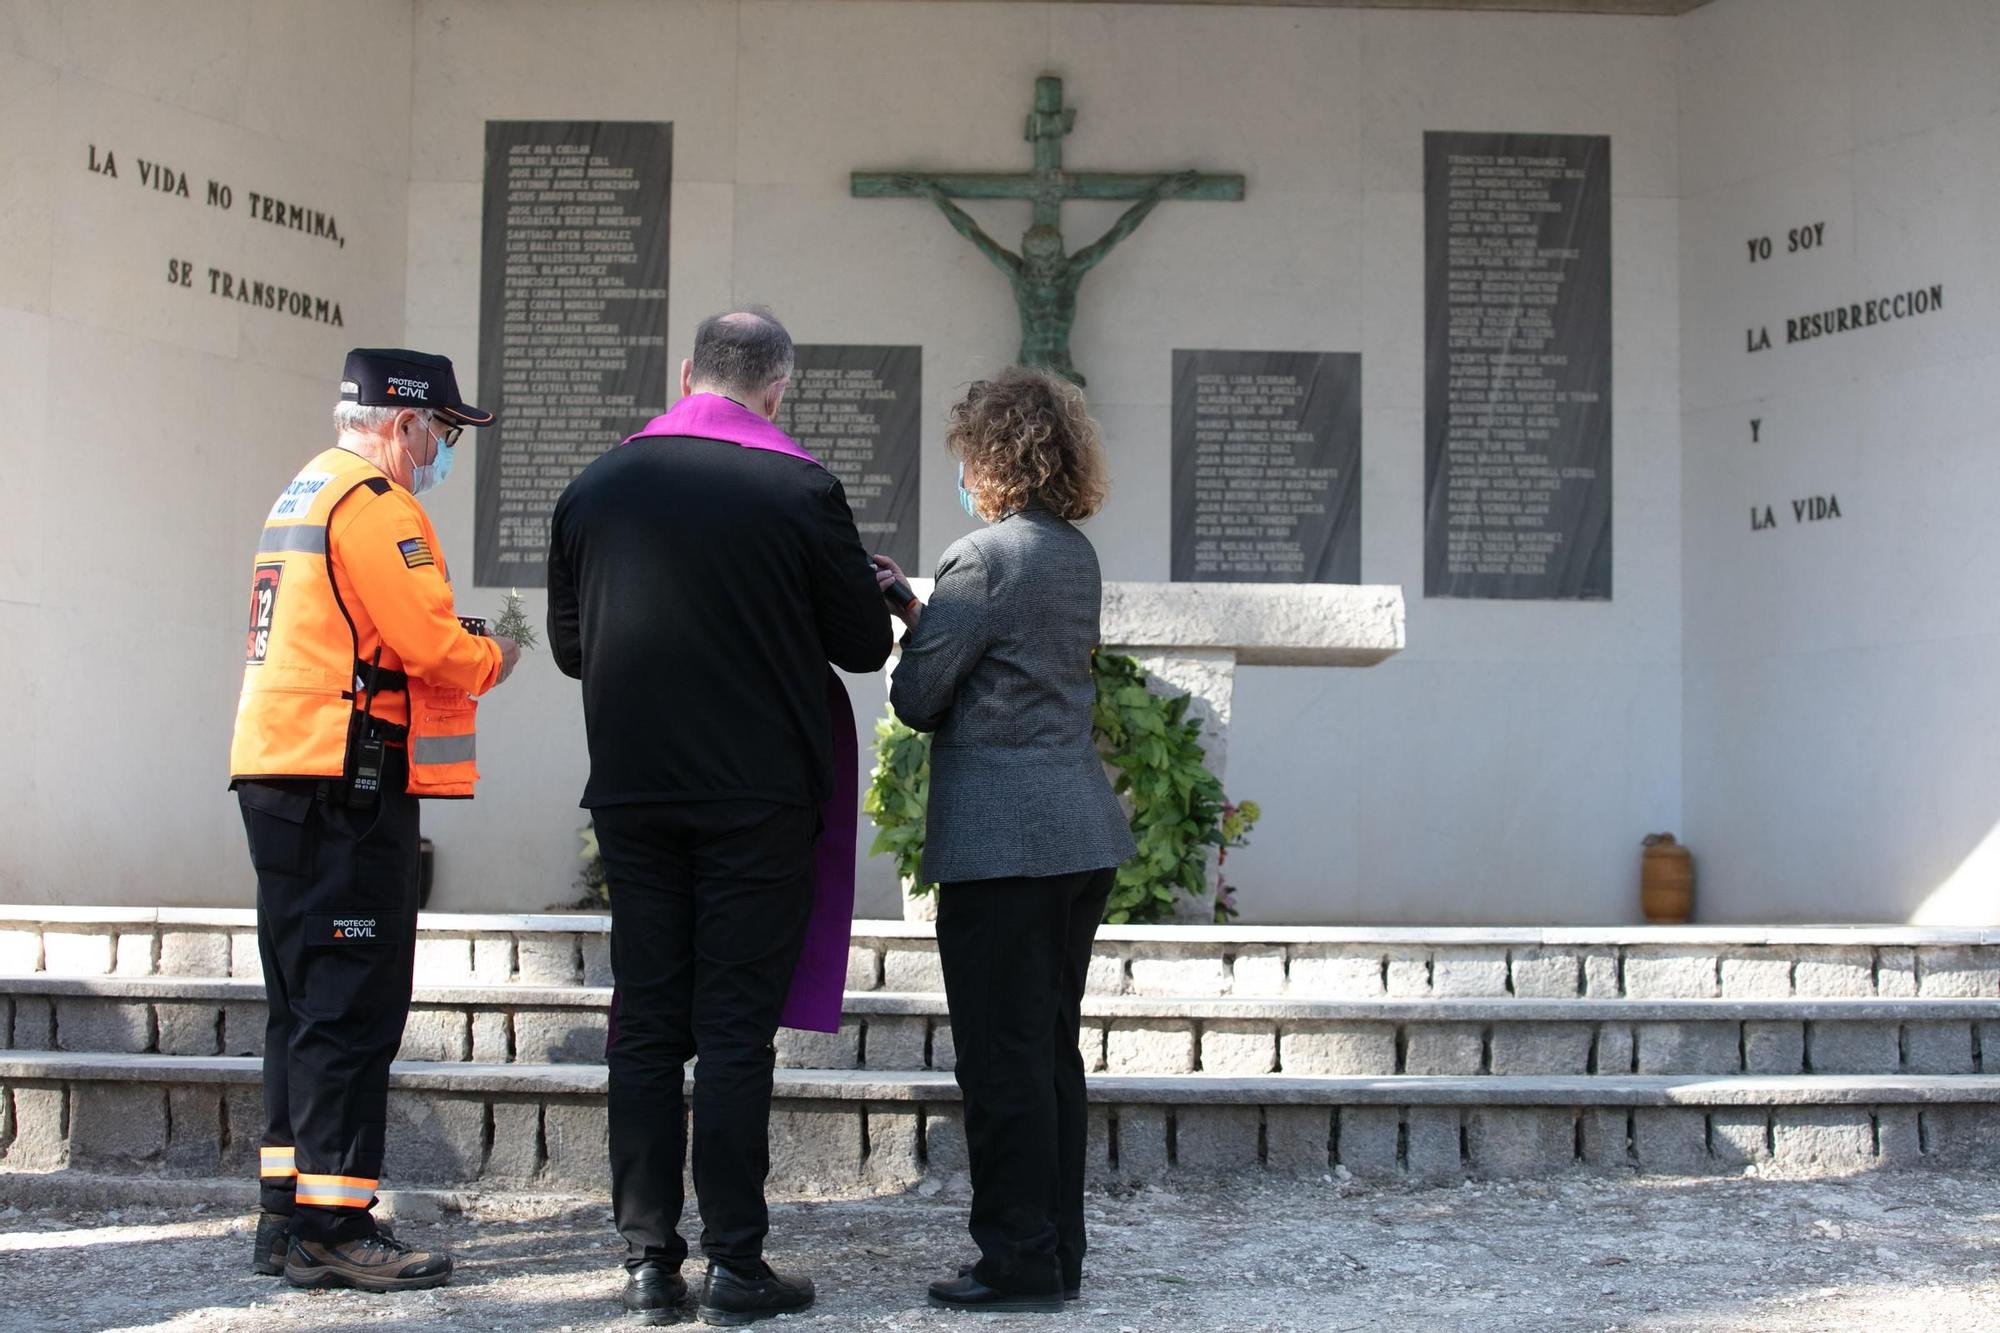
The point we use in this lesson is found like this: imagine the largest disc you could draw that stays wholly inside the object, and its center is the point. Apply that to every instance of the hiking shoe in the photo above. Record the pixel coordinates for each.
(273, 1243)
(730, 1298)
(378, 1263)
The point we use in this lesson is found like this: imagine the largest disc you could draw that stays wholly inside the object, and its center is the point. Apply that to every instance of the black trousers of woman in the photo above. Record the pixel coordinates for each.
(1015, 953)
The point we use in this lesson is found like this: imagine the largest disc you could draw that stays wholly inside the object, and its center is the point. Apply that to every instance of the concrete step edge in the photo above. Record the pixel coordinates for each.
(1580, 1009)
(18, 915)
(82, 1190)
(1124, 1089)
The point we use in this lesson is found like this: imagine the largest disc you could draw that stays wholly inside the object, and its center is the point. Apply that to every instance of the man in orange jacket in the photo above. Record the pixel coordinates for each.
(359, 694)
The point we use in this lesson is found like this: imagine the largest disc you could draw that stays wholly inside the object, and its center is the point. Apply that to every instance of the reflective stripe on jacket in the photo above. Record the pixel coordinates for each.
(348, 567)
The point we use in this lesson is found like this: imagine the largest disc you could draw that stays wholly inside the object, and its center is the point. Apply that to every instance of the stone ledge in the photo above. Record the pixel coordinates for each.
(534, 923)
(244, 990)
(1914, 1009)
(16, 915)
(1449, 1010)
(54, 914)
(1150, 1090)
(237, 918)
(222, 990)
(1263, 624)
(1887, 935)
(72, 1188)
(78, 1189)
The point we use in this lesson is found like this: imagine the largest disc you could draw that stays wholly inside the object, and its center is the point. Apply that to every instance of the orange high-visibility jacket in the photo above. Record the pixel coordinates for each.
(348, 565)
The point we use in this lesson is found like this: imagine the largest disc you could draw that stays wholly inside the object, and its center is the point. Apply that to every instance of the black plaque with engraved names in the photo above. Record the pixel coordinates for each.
(572, 318)
(1517, 366)
(1267, 467)
(855, 408)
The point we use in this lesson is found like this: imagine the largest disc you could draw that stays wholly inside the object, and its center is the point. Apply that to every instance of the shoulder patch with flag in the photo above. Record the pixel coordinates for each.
(416, 552)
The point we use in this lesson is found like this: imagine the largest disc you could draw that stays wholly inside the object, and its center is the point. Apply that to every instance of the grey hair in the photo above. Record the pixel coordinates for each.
(747, 350)
(363, 420)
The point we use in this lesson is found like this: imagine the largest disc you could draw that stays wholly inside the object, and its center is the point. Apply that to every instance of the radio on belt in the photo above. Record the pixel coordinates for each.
(364, 786)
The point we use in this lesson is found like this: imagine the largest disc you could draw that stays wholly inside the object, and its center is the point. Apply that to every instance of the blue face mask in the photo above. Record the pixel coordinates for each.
(429, 476)
(965, 497)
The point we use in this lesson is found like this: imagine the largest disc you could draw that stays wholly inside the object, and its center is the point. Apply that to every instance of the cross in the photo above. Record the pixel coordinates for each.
(1045, 274)
(1048, 184)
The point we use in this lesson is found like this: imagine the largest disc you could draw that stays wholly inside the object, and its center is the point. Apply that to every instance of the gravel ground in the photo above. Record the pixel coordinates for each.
(1894, 1251)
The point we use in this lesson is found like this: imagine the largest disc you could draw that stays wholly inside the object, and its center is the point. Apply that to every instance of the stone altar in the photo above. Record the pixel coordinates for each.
(1191, 637)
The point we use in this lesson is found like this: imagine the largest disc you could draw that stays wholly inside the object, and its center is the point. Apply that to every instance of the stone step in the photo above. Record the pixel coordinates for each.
(543, 1126)
(1632, 962)
(234, 990)
(1121, 1034)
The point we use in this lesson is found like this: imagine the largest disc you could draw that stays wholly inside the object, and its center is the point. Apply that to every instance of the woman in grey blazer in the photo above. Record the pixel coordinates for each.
(1024, 835)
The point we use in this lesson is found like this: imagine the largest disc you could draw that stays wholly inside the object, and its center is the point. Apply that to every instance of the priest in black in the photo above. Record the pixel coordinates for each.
(702, 576)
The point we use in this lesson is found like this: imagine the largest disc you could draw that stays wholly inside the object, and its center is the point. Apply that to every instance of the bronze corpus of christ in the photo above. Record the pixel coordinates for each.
(1045, 275)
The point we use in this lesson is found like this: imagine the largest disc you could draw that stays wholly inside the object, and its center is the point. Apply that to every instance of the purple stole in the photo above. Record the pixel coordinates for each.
(820, 979)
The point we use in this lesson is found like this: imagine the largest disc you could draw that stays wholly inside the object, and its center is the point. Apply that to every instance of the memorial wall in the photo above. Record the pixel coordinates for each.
(1547, 732)
(1841, 384)
(1321, 271)
(202, 207)
(572, 317)
(169, 360)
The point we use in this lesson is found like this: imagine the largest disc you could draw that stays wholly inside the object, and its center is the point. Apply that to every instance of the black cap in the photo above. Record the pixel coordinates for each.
(398, 377)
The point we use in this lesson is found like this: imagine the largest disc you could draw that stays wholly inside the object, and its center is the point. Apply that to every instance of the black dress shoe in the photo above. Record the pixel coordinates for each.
(653, 1295)
(1071, 1292)
(969, 1293)
(730, 1298)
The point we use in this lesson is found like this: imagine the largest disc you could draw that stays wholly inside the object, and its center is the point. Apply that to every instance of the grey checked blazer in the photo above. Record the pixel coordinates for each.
(999, 667)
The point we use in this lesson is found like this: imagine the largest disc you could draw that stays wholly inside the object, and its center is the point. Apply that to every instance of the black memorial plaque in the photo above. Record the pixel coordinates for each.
(855, 408)
(572, 318)
(1517, 366)
(1267, 467)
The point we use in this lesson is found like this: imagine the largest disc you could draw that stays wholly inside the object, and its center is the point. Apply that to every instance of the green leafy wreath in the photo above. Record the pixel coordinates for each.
(1158, 767)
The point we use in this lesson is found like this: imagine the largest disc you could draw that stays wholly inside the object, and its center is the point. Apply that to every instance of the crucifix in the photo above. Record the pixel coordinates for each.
(1045, 275)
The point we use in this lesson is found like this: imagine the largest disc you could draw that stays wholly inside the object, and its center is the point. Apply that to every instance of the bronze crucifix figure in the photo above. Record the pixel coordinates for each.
(1045, 275)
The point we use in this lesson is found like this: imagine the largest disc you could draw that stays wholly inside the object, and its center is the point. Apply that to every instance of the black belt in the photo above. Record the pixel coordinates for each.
(383, 678)
(395, 775)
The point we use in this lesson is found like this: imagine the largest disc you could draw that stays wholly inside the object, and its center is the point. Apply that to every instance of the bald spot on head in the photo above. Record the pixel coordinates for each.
(740, 353)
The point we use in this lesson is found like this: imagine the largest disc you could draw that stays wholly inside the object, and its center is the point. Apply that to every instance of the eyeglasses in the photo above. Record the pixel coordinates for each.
(451, 432)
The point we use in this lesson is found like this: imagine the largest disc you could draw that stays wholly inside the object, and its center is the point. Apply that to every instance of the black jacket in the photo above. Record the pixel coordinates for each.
(698, 589)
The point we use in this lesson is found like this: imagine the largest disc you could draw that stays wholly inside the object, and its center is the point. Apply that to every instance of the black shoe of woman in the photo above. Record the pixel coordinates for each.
(967, 1292)
(1071, 1291)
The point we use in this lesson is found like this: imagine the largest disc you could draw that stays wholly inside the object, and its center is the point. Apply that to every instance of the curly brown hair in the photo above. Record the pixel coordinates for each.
(1028, 435)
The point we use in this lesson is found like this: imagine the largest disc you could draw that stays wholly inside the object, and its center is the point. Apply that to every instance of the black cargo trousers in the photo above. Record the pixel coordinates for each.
(336, 928)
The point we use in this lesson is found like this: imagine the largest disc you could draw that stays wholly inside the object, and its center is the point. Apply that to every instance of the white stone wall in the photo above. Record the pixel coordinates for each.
(1840, 675)
(1506, 764)
(1503, 769)
(1516, 750)
(144, 428)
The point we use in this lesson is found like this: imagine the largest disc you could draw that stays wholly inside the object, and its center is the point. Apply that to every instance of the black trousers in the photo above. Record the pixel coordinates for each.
(709, 904)
(1015, 953)
(336, 928)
